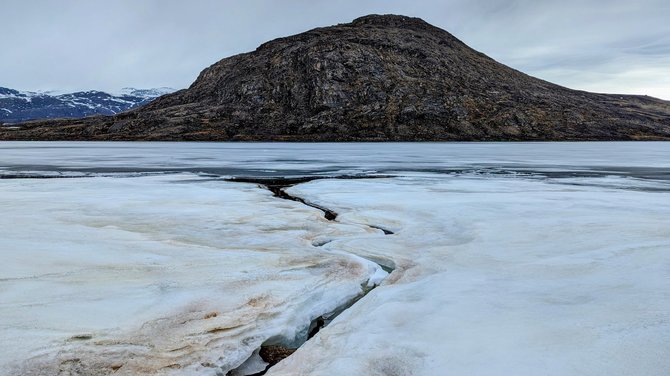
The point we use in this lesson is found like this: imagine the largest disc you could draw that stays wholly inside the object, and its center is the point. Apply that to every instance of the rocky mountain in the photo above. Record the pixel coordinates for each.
(378, 78)
(17, 106)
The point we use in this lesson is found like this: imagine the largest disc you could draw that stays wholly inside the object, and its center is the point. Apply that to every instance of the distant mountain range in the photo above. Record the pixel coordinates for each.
(17, 106)
(378, 78)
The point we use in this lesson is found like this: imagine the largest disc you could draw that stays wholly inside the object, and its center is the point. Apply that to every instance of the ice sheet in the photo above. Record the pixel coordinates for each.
(284, 159)
(510, 259)
(160, 275)
(500, 276)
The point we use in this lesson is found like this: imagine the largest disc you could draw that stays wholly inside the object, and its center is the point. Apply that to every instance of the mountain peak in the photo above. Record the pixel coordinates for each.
(391, 20)
(378, 78)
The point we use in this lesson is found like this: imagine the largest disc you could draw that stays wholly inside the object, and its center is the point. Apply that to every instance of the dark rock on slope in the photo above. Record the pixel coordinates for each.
(378, 78)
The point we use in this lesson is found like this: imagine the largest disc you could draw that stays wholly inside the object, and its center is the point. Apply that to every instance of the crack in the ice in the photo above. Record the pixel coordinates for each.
(278, 188)
(384, 230)
(281, 193)
(273, 353)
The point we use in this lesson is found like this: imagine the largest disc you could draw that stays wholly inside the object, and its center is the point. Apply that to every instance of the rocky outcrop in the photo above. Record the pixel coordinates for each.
(378, 78)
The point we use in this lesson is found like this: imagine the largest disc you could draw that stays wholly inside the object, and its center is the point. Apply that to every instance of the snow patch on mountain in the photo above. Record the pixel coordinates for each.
(145, 93)
(18, 106)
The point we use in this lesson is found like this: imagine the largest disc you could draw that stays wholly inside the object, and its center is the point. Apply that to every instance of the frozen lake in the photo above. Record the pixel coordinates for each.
(468, 258)
(289, 159)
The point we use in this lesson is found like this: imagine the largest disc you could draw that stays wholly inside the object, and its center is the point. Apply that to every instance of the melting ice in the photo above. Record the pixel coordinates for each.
(518, 259)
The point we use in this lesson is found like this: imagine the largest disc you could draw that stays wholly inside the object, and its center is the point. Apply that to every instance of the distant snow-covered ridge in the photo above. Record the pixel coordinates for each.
(18, 106)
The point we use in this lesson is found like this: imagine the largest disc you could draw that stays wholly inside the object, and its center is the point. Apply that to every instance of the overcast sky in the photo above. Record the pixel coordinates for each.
(613, 46)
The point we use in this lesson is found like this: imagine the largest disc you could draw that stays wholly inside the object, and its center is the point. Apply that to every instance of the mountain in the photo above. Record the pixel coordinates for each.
(17, 106)
(146, 93)
(378, 78)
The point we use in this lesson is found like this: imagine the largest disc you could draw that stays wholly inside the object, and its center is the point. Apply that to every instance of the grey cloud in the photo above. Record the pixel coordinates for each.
(613, 45)
(652, 46)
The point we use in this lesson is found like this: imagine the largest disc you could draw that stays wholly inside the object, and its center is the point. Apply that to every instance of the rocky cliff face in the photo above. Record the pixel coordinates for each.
(377, 78)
